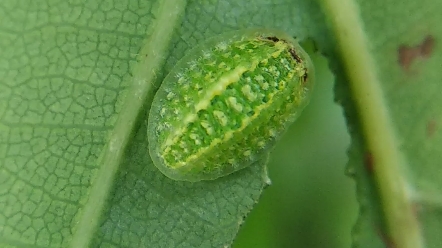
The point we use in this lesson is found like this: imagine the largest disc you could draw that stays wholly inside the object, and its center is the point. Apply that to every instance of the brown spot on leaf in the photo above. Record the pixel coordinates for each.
(431, 128)
(427, 46)
(408, 54)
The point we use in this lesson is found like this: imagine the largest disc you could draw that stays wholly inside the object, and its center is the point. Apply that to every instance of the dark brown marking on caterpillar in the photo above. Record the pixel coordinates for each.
(295, 55)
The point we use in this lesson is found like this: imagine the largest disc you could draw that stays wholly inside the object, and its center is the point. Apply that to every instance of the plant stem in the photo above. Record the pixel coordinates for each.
(402, 225)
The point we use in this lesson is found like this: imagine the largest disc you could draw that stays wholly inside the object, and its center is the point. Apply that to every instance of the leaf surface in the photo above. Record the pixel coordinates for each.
(74, 166)
(76, 78)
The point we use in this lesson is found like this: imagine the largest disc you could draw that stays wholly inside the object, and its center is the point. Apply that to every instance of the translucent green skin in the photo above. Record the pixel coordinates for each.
(226, 102)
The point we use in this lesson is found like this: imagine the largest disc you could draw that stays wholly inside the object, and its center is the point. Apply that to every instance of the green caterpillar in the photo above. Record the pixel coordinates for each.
(225, 103)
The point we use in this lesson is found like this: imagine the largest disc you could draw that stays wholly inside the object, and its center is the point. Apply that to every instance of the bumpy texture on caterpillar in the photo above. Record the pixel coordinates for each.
(226, 102)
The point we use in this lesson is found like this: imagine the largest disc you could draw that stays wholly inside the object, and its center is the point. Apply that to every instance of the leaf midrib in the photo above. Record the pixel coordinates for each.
(150, 59)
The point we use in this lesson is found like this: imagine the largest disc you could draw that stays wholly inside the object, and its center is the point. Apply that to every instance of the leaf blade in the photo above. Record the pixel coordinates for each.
(152, 57)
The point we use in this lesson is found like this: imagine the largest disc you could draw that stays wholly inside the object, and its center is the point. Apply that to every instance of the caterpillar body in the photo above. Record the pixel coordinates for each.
(226, 102)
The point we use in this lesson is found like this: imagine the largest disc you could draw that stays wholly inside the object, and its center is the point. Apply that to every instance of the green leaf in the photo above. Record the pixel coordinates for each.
(75, 82)
(77, 77)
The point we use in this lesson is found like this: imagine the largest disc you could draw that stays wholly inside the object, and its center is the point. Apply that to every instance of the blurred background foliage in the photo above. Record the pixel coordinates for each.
(311, 202)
